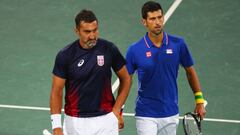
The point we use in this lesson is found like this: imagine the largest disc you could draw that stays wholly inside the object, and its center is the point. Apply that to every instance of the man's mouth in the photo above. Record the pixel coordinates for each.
(91, 43)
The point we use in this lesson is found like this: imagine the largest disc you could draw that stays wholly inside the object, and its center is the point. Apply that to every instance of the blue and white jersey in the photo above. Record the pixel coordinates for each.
(157, 70)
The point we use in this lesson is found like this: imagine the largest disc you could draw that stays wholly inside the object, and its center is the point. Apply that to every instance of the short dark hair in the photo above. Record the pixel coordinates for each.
(150, 6)
(86, 16)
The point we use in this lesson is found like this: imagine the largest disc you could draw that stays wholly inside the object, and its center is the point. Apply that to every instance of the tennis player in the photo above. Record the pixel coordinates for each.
(84, 68)
(156, 57)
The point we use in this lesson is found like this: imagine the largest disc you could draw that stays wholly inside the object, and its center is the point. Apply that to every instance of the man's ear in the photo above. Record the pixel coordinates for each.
(143, 21)
(76, 30)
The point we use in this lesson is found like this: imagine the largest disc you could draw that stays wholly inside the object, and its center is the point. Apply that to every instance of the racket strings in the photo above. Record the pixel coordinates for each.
(191, 125)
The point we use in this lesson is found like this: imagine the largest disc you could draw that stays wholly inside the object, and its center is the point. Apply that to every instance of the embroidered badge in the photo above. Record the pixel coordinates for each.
(148, 54)
(169, 51)
(100, 60)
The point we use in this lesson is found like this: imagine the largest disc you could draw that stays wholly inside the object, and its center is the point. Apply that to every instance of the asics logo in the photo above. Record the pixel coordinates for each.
(80, 63)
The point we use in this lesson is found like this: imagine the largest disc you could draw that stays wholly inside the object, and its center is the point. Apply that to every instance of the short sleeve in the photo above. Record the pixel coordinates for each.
(186, 59)
(130, 61)
(118, 59)
(60, 66)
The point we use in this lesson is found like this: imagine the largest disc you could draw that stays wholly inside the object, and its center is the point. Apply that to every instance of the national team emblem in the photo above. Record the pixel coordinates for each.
(100, 60)
(148, 54)
(169, 51)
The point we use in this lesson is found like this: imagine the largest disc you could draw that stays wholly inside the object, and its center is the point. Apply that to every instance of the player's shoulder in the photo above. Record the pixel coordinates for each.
(136, 45)
(138, 42)
(106, 44)
(69, 48)
(176, 41)
(175, 38)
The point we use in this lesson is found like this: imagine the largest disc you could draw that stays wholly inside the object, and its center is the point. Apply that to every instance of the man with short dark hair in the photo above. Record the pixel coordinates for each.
(84, 69)
(157, 57)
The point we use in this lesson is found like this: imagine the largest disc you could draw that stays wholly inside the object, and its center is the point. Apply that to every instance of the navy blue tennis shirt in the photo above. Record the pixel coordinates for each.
(157, 70)
(88, 77)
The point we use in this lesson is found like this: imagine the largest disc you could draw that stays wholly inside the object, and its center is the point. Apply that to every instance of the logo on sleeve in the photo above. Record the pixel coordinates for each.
(100, 60)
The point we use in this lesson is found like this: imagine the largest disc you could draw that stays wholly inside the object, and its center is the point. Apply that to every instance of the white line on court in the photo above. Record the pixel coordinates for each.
(125, 114)
(115, 85)
(25, 107)
(171, 10)
(205, 119)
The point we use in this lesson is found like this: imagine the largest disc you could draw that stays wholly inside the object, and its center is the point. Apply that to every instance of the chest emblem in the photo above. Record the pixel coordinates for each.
(100, 60)
(169, 51)
(81, 62)
(148, 54)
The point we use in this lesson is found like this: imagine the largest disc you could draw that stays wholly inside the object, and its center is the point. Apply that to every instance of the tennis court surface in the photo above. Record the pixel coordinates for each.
(32, 32)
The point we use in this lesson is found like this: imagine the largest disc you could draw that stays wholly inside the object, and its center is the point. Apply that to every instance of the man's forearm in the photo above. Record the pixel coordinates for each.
(55, 103)
(123, 92)
(193, 80)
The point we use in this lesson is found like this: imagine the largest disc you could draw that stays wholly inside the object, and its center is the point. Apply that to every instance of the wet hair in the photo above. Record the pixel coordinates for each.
(85, 15)
(150, 6)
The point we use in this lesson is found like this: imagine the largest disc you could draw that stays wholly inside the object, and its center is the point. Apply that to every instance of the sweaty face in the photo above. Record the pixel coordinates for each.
(154, 22)
(88, 34)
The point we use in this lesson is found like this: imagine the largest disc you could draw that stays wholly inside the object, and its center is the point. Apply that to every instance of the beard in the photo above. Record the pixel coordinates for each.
(91, 43)
(157, 31)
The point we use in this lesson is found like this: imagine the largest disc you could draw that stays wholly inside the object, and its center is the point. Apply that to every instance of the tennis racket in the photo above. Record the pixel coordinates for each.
(192, 124)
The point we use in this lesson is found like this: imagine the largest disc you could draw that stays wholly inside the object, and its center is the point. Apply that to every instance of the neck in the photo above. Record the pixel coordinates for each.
(156, 39)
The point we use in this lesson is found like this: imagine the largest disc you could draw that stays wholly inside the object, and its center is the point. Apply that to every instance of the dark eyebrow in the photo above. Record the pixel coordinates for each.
(152, 17)
(87, 30)
(90, 30)
(160, 16)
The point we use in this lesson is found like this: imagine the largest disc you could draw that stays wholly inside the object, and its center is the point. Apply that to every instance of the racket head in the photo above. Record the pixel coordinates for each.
(191, 124)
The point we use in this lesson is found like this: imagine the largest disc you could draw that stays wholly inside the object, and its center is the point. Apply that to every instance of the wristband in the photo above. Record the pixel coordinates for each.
(56, 121)
(199, 98)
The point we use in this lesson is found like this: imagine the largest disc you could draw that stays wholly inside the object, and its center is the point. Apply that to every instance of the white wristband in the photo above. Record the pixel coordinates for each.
(56, 121)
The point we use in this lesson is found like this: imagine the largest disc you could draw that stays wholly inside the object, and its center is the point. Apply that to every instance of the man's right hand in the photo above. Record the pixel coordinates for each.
(120, 122)
(57, 131)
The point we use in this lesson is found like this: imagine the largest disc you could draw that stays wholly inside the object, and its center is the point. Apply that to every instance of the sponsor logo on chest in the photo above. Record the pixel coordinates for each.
(169, 51)
(148, 54)
(81, 62)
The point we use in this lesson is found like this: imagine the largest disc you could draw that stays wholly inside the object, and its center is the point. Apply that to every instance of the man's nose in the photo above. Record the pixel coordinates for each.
(158, 21)
(92, 36)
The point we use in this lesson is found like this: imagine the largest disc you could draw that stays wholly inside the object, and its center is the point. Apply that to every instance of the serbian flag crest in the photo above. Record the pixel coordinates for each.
(100, 60)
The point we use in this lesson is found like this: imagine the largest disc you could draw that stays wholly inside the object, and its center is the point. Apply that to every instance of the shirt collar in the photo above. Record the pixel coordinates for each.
(149, 43)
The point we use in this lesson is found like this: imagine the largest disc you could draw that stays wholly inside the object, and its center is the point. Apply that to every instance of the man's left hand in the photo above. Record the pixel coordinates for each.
(200, 110)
